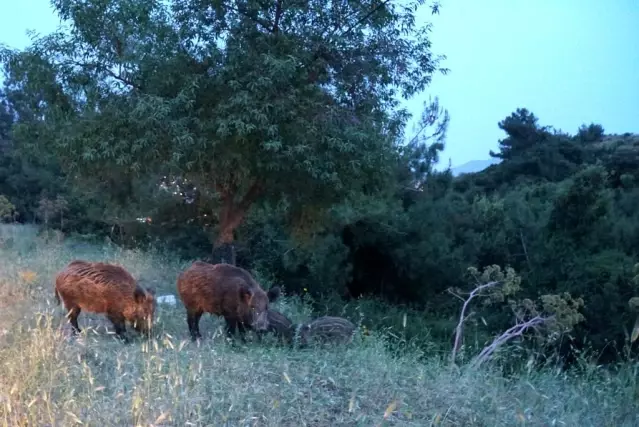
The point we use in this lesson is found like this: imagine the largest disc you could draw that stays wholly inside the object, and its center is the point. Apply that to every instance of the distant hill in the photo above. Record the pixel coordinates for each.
(473, 166)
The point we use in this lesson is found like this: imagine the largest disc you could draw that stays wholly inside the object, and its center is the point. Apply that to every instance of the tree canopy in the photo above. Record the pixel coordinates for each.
(293, 103)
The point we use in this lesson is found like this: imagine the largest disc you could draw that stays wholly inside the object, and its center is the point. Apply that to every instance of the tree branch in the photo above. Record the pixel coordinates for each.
(462, 317)
(231, 208)
(252, 16)
(450, 291)
(278, 16)
(523, 244)
(123, 80)
(100, 67)
(232, 213)
(251, 195)
(223, 192)
(512, 332)
(364, 18)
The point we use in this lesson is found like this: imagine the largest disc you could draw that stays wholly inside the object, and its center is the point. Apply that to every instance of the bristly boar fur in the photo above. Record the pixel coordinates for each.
(280, 325)
(224, 290)
(326, 329)
(105, 288)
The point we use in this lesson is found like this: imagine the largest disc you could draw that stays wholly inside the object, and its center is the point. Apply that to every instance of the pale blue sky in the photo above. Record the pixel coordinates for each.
(568, 61)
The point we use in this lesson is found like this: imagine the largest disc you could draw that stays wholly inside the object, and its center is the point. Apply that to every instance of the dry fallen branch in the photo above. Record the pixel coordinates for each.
(462, 317)
(514, 331)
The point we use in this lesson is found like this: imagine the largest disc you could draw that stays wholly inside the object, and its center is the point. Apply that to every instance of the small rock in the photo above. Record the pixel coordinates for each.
(167, 299)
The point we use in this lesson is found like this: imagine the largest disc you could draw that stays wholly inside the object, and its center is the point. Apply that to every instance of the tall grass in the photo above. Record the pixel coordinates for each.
(48, 377)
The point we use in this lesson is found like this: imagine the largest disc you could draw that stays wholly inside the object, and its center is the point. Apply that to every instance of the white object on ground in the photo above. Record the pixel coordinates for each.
(167, 299)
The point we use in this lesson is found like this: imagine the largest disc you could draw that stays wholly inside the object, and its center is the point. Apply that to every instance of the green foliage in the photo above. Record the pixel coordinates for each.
(578, 209)
(523, 132)
(420, 154)
(572, 243)
(24, 179)
(564, 310)
(7, 210)
(591, 133)
(245, 100)
(533, 152)
(509, 282)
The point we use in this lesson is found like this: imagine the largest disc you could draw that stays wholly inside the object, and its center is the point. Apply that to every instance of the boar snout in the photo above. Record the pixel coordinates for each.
(260, 321)
(145, 300)
(144, 325)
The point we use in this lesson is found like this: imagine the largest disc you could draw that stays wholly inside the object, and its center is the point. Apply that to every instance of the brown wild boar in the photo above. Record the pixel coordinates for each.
(326, 329)
(105, 288)
(280, 325)
(224, 290)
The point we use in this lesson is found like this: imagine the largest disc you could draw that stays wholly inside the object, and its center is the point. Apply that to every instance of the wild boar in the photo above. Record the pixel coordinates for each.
(105, 288)
(224, 290)
(326, 329)
(280, 325)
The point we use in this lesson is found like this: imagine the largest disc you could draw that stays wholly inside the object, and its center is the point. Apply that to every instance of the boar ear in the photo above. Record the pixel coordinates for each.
(245, 293)
(150, 290)
(274, 293)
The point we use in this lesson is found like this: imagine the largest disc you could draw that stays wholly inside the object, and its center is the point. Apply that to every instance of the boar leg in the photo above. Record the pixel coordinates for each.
(73, 319)
(193, 320)
(232, 326)
(242, 330)
(119, 325)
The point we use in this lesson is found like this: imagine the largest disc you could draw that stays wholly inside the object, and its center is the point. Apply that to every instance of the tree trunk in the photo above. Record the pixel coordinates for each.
(223, 246)
(230, 218)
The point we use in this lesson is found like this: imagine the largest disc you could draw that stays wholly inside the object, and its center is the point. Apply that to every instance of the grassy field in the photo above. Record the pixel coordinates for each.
(48, 378)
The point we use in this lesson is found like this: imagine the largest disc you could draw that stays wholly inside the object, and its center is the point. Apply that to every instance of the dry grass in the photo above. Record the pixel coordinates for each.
(49, 378)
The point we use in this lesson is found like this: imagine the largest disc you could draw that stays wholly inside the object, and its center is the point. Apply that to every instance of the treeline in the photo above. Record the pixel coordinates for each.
(270, 144)
(560, 209)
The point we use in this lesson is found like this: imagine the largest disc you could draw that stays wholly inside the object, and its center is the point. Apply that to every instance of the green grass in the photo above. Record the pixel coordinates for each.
(49, 378)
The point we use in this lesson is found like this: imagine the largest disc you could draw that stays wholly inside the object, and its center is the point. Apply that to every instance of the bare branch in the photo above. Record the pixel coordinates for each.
(513, 332)
(462, 317)
(523, 245)
(450, 291)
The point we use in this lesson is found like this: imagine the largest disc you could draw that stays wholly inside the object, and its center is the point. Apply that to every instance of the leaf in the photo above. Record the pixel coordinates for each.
(163, 416)
(390, 409)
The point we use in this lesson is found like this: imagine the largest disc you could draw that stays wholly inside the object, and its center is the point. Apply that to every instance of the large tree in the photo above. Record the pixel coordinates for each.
(288, 101)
